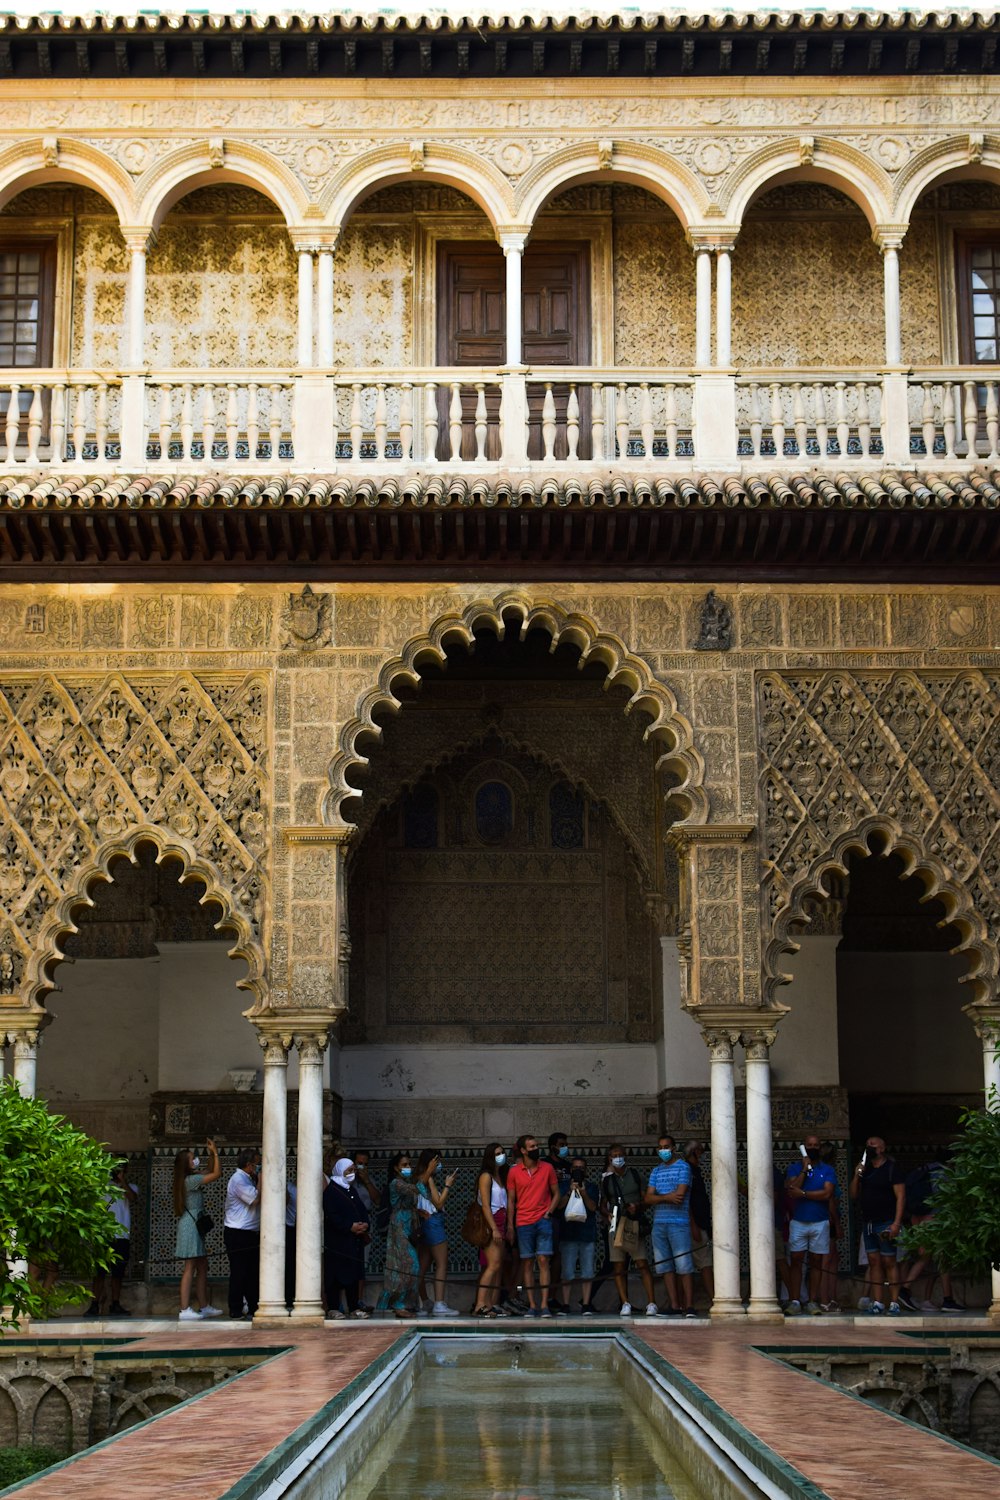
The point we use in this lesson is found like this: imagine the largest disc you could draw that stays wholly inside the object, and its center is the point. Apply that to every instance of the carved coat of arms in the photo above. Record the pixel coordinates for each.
(306, 619)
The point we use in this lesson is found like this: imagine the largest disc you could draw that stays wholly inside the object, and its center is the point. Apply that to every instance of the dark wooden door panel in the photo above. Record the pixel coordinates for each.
(555, 315)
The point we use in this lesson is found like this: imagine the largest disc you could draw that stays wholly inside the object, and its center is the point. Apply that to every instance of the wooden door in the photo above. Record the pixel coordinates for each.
(555, 305)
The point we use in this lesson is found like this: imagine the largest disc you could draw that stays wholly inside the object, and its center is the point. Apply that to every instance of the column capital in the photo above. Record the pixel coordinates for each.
(889, 236)
(25, 1043)
(276, 1039)
(512, 237)
(139, 237)
(720, 1042)
(712, 237)
(757, 1042)
(986, 1021)
(313, 1040)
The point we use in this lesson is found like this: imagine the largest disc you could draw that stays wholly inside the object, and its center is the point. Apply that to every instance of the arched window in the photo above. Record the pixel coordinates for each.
(420, 817)
(565, 817)
(494, 811)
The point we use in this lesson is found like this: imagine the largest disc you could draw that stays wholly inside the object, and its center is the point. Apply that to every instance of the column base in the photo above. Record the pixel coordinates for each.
(993, 1314)
(726, 1309)
(765, 1311)
(271, 1315)
(307, 1315)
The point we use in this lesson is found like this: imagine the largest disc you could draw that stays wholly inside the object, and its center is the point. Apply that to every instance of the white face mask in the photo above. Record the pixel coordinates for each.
(196, 1162)
(348, 1176)
(618, 1161)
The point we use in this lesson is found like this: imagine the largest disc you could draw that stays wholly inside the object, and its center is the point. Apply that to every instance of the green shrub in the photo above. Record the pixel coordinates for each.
(20, 1463)
(54, 1191)
(964, 1234)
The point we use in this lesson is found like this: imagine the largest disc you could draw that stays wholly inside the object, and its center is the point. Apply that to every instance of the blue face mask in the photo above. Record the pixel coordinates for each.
(563, 1150)
(439, 1167)
(406, 1171)
(500, 1158)
(665, 1155)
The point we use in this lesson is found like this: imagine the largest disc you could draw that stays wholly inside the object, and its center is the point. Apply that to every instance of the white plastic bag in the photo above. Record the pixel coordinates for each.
(576, 1209)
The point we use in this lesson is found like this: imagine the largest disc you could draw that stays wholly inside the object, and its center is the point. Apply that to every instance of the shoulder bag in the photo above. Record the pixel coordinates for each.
(475, 1230)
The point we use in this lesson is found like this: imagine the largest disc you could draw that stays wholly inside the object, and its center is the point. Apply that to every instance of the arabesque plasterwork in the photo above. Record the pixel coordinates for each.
(93, 765)
(909, 760)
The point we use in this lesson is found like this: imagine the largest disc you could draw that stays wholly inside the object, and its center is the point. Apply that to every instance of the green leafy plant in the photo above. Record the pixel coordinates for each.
(54, 1192)
(964, 1234)
(20, 1463)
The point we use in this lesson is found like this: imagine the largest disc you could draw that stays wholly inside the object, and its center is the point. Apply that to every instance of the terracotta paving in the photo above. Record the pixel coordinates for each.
(848, 1449)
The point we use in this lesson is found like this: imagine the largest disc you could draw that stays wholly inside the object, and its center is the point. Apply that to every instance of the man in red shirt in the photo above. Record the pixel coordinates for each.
(532, 1195)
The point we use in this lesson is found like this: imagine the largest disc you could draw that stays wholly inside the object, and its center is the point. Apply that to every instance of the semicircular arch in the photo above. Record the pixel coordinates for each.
(832, 163)
(48, 952)
(31, 164)
(939, 882)
(385, 166)
(640, 166)
(196, 166)
(943, 162)
(679, 767)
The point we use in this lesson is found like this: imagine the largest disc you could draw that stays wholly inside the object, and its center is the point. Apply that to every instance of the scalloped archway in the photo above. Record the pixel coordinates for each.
(939, 884)
(39, 978)
(680, 767)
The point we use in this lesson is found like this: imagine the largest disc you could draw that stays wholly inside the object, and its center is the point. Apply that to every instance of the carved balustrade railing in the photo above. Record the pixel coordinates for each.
(955, 413)
(809, 415)
(467, 418)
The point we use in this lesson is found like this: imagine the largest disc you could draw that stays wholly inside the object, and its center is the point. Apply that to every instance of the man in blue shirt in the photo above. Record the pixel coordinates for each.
(809, 1183)
(667, 1193)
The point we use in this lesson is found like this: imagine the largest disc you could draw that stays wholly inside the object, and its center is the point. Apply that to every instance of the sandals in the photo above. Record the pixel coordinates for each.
(484, 1312)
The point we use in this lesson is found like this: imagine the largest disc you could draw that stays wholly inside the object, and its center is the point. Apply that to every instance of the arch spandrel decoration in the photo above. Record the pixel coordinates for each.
(93, 765)
(910, 758)
(680, 765)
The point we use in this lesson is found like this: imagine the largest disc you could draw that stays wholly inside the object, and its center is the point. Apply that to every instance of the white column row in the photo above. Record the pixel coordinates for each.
(24, 1047)
(309, 1176)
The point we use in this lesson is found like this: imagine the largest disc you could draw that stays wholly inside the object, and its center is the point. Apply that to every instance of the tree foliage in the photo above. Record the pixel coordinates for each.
(54, 1192)
(964, 1234)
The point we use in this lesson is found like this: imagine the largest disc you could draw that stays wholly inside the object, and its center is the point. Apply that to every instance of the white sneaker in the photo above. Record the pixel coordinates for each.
(626, 1311)
(188, 1315)
(652, 1311)
(211, 1312)
(442, 1310)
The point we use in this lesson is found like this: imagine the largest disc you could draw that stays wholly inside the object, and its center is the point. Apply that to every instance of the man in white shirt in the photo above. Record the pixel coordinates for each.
(121, 1209)
(241, 1233)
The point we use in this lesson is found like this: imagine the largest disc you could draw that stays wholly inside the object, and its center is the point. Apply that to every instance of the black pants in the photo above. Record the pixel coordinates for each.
(243, 1250)
(341, 1275)
(289, 1264)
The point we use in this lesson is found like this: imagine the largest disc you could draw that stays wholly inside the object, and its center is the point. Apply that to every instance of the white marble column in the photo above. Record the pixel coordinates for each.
(988, 1030)
(703, 307)
(723, 307)
(26, 1061)
(136, 352)
(324, 309)
(513, 249)
(273, 1177)
(760, 1180)
(309, 1178)
(725, 1215)
(305, 330)
(893, 313)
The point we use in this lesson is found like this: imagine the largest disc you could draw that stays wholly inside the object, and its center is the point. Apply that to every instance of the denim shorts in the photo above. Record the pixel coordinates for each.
(672, 1249)
(877, 1242)
(812, 1235)
(434, 1230)
(534, 1239)
(578, 1259)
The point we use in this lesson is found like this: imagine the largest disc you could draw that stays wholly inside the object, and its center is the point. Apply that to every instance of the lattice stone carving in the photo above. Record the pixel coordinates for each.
(86, 761)
(914, 756)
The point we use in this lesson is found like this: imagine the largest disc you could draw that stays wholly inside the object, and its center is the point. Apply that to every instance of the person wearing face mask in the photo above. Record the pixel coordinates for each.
(189, 1180)
(881, 1186)
(579, 1232)
(558, 1158)
(434, 1250)
(621, 1195)
(241, 1233)
(402, 1257)
(345, 1231)
(532, 1196)
(667, 1195)
(809, 1185)
(491, 1194)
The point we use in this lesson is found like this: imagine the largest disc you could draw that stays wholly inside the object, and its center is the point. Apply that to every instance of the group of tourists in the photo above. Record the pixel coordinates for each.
(539, 1222)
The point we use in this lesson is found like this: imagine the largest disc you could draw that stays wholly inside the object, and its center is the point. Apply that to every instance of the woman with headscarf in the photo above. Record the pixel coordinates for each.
(345, 1234)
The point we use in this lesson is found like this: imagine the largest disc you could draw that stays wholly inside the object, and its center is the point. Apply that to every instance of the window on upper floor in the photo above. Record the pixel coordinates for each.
(27, 284)
(494, 812)
(977, 260)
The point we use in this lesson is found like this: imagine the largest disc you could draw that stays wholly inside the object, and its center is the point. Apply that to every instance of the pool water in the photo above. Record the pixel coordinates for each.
(529, 1425)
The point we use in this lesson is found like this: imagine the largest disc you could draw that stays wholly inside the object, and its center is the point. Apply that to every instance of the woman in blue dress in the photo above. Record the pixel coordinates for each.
(402, 1259)
(189, 1245)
